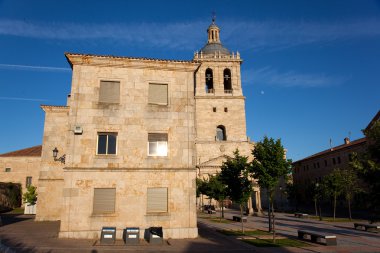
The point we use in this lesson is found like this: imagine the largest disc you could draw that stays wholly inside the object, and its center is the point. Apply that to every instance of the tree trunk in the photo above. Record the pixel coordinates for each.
(269, 214)
(223, 208)
(274, 229)
(320, 211)
(315, 207)
(349, 208)
(334, 204)
(241, 218)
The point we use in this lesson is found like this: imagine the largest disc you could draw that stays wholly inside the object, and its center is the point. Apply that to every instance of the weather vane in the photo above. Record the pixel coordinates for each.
(213, 16)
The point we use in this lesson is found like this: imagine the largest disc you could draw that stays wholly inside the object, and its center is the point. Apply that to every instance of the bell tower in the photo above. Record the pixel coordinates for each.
(220, 120)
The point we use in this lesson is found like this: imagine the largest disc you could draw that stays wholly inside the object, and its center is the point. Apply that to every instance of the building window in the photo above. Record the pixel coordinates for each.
(8, 170)
(157, 200)
(209, 81)
(227, 81)
(334, 162)
(221, 133)
(338, 159)
(225, 109)
(158, 94)
(104, 200)
(318, 165)
(109, 92)
(325, 163)
(157, 144)
(28, 181)
(107, 143)
(214, 109)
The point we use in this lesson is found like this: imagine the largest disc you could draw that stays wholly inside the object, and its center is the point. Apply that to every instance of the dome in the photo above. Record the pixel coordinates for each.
(212, 48)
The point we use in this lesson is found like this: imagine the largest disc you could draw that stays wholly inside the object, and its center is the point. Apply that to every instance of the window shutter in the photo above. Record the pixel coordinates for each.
(154, 137)
(158, 94)
(157, 200)
(104, 200)
(109, 92)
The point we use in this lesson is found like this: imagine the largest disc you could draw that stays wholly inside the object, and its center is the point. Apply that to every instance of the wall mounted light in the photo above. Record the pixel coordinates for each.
(62, 159)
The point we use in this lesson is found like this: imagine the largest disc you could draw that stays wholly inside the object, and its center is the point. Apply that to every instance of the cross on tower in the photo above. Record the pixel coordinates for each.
(208, 77)
(213, 17)
(226, 77)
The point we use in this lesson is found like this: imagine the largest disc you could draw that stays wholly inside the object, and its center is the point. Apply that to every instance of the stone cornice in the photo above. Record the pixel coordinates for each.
(78, 169)
(130, 62)
(219, 97)
(55, 108)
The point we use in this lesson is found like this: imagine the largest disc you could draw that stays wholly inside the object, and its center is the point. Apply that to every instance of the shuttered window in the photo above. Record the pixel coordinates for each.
(157, 200)
(158, 94)
(109, 92)
(104, 200)
(157, 144)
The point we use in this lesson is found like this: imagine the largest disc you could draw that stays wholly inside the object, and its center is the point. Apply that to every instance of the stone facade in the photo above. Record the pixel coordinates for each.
(21, 166)
(122, 109)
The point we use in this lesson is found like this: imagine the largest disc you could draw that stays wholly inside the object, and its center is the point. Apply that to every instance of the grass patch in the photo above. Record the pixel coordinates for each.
(279, 243)
(247, 232)
(218, 220)
(18, 210)
(331, 219)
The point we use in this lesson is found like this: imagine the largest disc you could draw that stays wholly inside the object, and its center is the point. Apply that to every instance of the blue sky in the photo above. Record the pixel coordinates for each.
(310, 73)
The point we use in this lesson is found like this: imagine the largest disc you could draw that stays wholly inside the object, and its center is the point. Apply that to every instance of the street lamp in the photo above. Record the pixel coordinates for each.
(281, 197)
(62, 159)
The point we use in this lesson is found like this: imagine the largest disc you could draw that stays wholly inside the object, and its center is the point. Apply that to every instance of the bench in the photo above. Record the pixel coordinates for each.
(301, 215)
(367, 227)
(316, 237)
(238, 218)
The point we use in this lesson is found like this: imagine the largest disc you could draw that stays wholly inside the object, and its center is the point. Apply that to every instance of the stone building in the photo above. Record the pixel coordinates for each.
(126, 149)
(21, 166)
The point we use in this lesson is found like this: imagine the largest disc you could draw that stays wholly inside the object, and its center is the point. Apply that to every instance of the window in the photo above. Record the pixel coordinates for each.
(227, 81)
(225, 109)
(339, 160)
(157, 144)
(107, 143)
(104, 200)
(334, 162)
(157, 200)
(209, 81)
(109, 92)
(158, 94)
(220, 133)
(28, 181)
(8, 169)
(325, 163)
(214, 109)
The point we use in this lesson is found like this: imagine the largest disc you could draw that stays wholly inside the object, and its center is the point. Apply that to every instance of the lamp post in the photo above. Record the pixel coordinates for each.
(317, 196)
(62, 159)
(281, 198)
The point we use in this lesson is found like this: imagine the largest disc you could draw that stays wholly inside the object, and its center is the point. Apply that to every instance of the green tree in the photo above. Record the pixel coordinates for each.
(235, 175)
(368, 166)
(334, 187)
(217, 190)
(268, 166)
(30, 196)
(350, 187)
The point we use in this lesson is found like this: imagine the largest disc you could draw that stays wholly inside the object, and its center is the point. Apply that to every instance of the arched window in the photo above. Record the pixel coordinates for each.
(209, 81)
(227, 81)
(221, 133)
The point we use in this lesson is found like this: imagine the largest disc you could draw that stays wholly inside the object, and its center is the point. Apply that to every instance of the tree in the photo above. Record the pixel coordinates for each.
(334, 185)
(217, 190)
(368, 166)
(30, 196)
(268, 166)
(235, 175)
(350, 186)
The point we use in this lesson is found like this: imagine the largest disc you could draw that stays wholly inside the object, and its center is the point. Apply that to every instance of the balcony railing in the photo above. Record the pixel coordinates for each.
(228, 91)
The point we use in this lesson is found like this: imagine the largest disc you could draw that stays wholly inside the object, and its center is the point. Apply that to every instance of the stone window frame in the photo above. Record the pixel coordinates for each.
(28, 181)
(107, 142)
(8, 169)
(221, 128)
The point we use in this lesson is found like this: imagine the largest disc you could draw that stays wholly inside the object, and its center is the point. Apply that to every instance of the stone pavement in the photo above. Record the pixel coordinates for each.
(22, 234)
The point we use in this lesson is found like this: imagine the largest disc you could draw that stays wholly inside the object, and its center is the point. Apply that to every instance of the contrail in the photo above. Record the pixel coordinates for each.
(24, 99)
(33, 67)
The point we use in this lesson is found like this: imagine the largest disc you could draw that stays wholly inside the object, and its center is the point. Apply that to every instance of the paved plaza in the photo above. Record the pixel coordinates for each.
(22, 234)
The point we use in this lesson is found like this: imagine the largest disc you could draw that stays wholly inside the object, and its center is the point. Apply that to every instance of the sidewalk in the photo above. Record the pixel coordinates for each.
(22, 234)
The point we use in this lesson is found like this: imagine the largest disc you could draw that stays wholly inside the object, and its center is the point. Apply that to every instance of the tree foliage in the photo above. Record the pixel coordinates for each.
(268, 166)
(30, 196)
(235, 175)
(334, 186)
(368, 166)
